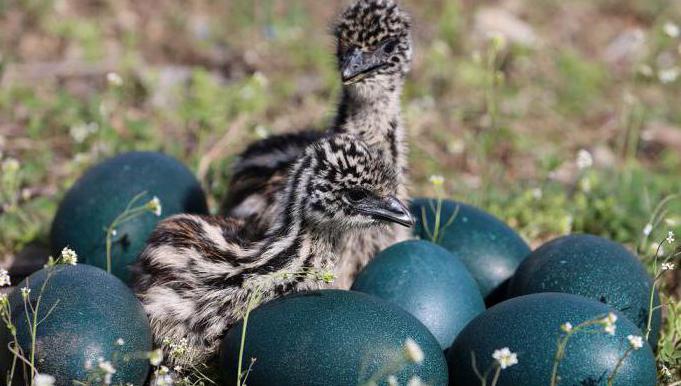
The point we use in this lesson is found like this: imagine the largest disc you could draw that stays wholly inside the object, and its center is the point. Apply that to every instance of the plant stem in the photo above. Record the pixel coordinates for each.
(562, 346)
(611, 378)
(438, 214)
(252, 301)
(496, 376)
(109, 234)
(128, 214)
(560, 353)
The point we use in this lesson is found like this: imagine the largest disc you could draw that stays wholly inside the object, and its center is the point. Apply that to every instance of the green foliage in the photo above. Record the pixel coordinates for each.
(580, 82)
(669, 350)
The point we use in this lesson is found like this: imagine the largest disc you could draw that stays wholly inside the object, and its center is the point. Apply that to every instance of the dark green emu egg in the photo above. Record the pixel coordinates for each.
(595, 268)
(427, 281)
(332, 338)
(84, 314)
(103, 193)
(490, 249)
(530, 326)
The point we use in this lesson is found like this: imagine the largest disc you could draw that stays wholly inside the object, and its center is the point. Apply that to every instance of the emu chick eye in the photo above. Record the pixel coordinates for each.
(389, 47)
(356, 195)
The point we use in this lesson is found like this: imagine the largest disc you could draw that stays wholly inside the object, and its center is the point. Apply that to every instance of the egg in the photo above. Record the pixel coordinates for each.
(530, 327)
(489, 248)
(86, 316)
(333, 337)
(593, 267)
(428, 282)
(103, 193)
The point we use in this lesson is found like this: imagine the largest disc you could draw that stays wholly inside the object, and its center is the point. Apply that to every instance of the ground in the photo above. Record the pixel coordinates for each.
(502, 119)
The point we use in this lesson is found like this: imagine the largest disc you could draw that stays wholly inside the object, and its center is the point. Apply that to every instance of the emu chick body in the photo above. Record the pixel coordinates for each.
(196, 273)
(377, 33)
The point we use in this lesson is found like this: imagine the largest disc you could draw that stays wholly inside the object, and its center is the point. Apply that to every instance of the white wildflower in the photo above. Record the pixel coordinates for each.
(437, 180)
(537, 193)
(505, 357)
(177, 350)
(25, 292)
(497, 39)
(646, 70)
(4, 278)
(155, 206)
(392, 381)
(114, 79)
(10, 165)
(108, 369)
(163, 380)
(608, 323)
(178, 369)
(566, 327)
(666, 372)
(670, 237)
(163, 370)
(415, 381)
(82, 131)
(262, 132)
(611, 318)
(636, 342)
(413, 351)
(668, 75)
(120, 342)
(156, 357)
(668, 266)
(260, 79)
(69, 256)
(584, 159)
(43, 380)
(671, 29)
(648, 230)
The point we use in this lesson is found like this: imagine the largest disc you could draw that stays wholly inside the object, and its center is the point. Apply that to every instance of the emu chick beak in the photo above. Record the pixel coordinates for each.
(356, 65)
(388, 209)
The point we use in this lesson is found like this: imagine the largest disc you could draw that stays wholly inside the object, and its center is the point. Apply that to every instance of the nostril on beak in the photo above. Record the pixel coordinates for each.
(353, 64)
(400, 212)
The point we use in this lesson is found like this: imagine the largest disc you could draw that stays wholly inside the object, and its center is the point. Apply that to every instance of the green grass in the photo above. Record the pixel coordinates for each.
(190, 71)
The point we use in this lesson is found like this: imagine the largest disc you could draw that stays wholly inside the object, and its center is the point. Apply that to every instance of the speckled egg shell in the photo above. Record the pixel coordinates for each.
(331, 338)
(531, 326)
(90, 311)
(490, 249)
(427, 281)
(104, 191)
(593, 267)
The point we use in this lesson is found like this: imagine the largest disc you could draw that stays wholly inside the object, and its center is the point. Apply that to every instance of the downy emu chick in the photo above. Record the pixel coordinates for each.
(196, 273)
(374, 56)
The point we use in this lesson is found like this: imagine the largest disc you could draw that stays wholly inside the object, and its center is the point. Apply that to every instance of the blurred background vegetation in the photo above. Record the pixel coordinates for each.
(558, 116)
(503, 119)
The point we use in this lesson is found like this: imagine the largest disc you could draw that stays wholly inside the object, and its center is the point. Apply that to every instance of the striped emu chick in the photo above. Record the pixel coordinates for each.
(196, 273)
(374, 56)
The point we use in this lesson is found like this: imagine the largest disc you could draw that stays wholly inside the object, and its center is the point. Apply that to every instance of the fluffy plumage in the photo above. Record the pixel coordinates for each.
(374, 55)
(196, 273)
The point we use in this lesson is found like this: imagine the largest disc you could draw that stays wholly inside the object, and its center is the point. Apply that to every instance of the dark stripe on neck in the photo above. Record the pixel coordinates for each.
(392, 139)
